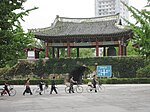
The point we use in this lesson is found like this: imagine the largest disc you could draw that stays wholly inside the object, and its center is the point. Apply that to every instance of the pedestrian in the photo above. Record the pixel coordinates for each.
(53, 87)
(71, 85)
(41, 83)
(5, 89)
(27, 89)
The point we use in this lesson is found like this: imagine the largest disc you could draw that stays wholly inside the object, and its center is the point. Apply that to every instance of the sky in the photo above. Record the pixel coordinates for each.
(48, 9)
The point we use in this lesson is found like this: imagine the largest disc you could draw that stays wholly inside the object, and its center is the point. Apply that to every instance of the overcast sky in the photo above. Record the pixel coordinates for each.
(48, 9)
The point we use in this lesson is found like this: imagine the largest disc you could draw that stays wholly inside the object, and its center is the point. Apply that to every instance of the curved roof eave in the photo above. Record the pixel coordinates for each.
(127, 33)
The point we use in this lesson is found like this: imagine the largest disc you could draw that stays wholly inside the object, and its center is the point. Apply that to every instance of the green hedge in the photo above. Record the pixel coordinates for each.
(122, 81)
(122, 67)
(32, 82)
(85, 81)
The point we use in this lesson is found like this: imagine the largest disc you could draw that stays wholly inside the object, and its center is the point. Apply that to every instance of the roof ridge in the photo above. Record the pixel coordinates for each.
(92, 19)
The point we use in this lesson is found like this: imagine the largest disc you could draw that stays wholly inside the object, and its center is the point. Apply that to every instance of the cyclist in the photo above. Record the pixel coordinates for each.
(5, 89)
(27, 84)
(71, 85)
(53, 86)
(94, 82)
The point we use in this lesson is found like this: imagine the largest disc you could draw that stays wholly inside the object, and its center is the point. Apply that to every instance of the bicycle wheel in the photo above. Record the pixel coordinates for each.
(47, 90)
(79, 89)
(101, 88)
(67, 89)
(89, 89)
(36, 90)
(12, 92)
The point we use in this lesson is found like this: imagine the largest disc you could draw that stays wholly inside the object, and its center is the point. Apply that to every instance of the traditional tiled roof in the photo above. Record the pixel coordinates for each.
(72, 27)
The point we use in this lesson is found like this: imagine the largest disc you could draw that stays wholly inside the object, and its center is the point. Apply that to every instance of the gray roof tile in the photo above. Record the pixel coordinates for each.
(81, 26)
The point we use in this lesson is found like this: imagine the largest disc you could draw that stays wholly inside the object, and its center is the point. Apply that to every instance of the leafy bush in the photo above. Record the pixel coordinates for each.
(3, 71)
(144, 72)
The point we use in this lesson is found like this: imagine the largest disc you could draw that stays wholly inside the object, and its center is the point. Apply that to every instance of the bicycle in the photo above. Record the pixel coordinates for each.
(11, 89)
(46, 89)
(36, 90)
(77, 88)
(99, 88)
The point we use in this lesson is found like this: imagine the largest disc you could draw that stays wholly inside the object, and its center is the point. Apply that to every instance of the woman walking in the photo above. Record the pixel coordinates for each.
(27, 84)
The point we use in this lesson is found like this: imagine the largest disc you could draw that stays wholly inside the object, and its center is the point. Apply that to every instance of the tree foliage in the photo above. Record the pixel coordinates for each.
(12, 37)
(132, 51)
(141, 29)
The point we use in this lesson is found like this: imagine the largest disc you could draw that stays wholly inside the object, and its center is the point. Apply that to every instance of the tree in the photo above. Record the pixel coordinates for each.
(132, 51)
(141, 29)
(12, 37)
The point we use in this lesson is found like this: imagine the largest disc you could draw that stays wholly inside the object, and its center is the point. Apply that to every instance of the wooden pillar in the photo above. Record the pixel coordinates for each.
(120, 49)
(68, 49)
(97, 48)
(125, 50)
(104, 51)
(78, 52)
(46, 55)
(53, 52)
(57, 53)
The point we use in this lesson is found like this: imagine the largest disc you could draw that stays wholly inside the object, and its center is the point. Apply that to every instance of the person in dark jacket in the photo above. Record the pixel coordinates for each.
(41, 83)
(53, 87)
(94, 82)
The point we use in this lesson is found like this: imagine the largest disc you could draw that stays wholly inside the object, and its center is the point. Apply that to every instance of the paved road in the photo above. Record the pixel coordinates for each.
(116, 98)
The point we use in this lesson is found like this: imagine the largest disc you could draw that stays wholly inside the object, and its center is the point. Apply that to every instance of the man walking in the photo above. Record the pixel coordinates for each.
(53, 87)
(41, 83)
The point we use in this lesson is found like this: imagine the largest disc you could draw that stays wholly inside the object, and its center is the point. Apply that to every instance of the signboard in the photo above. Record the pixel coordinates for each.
(104, 71)
(31, 54)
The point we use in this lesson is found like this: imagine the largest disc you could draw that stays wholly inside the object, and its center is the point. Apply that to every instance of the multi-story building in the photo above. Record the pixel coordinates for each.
(111, 7)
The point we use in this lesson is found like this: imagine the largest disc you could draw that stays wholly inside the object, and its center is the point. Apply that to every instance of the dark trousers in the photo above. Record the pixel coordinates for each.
(41, 89)
(71, 88)
(27, 90)
(5, 89)
(94, 86)
(53, 88)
